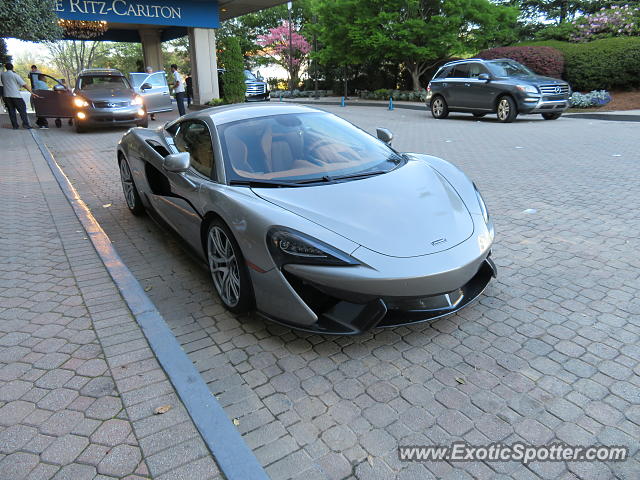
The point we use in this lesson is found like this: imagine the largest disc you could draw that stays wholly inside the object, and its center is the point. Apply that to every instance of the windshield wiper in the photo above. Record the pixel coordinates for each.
(263, 183)
(360, 175)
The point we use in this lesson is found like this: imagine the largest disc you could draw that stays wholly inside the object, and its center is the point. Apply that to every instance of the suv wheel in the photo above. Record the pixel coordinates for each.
(551, 116)
(439, 108)
(507, 110)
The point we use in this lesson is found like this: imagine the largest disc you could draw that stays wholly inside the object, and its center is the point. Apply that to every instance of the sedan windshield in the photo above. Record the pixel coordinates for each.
(95, 82)
(301, 148)
(509, 68)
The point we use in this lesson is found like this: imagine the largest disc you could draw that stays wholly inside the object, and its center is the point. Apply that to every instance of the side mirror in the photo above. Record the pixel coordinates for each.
(145, 86)
(59, 88)
(177, 162)
(385, 135)
(484, 76)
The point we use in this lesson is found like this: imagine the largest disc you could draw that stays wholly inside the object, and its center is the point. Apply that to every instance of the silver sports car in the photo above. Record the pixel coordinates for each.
(311, 221)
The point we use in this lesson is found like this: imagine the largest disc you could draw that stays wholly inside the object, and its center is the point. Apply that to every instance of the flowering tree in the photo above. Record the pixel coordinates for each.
(291, 55)
(608, 22)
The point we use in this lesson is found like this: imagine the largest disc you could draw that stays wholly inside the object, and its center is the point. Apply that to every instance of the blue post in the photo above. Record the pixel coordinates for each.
(390, 103)
(280, 96)
(342, 102)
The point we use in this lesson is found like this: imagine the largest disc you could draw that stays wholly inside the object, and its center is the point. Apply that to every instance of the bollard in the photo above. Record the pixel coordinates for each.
(390, 103)
(342, 102)
(281, 97)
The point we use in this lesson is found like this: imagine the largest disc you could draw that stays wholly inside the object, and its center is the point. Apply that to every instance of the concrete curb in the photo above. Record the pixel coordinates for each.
(229, 449)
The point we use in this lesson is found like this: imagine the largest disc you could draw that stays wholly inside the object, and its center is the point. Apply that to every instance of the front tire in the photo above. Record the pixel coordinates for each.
(144, 123)
(131, 195)
(439, 108)
(80, 128)
(228, 269)
(551, 116)
(507, 110)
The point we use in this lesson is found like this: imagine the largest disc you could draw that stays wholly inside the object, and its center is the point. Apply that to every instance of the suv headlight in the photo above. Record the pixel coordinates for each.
(290, 246)
(137, 100)
(528, 89)
(483, 206)
(80, 102)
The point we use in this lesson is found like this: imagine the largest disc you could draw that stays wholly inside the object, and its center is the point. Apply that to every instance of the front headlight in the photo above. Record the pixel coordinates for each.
(290, 246)
(483, 206)
(137, 100)
(80, 102)
(528, 89)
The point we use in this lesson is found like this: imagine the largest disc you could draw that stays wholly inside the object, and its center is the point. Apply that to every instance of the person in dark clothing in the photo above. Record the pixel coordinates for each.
(189, 90)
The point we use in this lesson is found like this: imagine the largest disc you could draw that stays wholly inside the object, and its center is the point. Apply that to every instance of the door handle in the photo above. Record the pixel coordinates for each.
(467, 84)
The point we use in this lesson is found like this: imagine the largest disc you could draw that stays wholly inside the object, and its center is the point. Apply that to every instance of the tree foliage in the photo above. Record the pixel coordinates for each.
(31, 20)
(290, 51)
(4, 53)
(230, 58)
(414, 33)
(70, 57)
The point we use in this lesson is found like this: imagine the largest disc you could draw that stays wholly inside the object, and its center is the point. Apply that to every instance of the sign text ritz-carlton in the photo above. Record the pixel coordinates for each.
(118, 7)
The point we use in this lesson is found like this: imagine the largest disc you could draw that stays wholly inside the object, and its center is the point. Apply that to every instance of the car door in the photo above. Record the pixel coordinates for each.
(53, 100)
(178, 206)
(482, 94)
(456, 90)
(154, 89)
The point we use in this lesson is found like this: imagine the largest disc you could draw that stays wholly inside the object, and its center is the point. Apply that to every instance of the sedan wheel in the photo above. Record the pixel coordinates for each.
(439, 108)
(228, 270)
(129, 188)
(507, 110)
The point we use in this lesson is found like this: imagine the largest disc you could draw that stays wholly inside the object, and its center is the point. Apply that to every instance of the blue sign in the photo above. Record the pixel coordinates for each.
(182, 13)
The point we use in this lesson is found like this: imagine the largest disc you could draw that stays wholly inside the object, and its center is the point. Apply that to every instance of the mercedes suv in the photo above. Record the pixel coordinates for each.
(501, 86)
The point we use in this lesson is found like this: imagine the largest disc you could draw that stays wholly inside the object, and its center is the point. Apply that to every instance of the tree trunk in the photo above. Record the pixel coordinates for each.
(415, 78)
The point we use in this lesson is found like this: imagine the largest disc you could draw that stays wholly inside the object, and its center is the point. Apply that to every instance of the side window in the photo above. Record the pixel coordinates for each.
(442, 73)
(40, 81)
(459, 71)
(158, 80)
(475, 69)
(193, 137)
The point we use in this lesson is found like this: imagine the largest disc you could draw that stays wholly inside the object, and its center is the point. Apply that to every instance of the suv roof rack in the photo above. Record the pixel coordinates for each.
(453, 62)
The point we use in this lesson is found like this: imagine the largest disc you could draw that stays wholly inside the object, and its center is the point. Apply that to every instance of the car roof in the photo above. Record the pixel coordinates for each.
(101, 71)
(232, 113)
(480, 60)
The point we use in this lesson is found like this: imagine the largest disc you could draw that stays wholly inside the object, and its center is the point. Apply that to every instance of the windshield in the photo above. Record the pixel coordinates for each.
(509, 68)
(250, 76)
(301, 147)
(95, 82)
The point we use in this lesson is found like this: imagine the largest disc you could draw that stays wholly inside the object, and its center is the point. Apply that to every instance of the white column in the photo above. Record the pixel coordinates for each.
(151, 48)
(204, 64)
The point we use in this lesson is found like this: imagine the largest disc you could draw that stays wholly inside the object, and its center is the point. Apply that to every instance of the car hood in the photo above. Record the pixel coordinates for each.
(107, 95)
(541, 80)
(409, 212)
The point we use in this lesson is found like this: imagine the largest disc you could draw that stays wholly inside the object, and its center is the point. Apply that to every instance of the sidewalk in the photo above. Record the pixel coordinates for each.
(79, 384)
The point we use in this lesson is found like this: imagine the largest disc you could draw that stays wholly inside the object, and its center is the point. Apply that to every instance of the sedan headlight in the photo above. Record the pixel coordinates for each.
(528, 89)
(137, 100)
(290, 246)
(80, 102)
(483, 206)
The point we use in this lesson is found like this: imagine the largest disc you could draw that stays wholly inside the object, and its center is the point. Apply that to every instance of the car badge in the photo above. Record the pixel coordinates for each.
(558, 90)
(111, 105)
(438, 241)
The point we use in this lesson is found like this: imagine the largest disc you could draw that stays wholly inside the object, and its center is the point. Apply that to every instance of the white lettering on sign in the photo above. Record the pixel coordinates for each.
(120, 8)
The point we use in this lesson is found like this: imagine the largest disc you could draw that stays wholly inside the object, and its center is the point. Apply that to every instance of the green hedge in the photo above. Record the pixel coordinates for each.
(610, 63)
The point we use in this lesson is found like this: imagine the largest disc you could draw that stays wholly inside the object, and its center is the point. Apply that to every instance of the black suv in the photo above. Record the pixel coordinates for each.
(501, 86)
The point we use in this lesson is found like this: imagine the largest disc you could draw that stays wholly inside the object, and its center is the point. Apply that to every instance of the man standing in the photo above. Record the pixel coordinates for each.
(12, 82)
(189, 83)
(39, 83)
(178, 88)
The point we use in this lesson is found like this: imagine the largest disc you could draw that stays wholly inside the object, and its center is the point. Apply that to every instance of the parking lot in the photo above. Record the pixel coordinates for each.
(550, 353)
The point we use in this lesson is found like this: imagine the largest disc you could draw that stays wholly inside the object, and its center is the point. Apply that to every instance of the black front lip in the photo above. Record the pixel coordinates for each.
(342, 317)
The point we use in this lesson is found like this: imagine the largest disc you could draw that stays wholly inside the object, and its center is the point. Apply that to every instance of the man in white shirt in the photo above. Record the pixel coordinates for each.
(178, 88)
(12, 82)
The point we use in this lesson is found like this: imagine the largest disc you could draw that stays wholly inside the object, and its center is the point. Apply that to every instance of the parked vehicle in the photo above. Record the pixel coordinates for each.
(54, 99)
(154, 90)
(267, 196)
(104, 97)
(257, 89)
(501, 86)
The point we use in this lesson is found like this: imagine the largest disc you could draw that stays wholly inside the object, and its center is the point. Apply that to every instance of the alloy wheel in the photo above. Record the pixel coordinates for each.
(503, 109)
(438, 107)
(223, 265)
(127, 184)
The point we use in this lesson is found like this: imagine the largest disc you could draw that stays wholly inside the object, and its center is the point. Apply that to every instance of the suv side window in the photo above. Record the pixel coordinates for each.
(459, 71)
(475, 69)
(193, 136)
(442, 73)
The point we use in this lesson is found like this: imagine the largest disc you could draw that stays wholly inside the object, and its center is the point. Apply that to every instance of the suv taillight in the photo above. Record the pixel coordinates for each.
(429, 87)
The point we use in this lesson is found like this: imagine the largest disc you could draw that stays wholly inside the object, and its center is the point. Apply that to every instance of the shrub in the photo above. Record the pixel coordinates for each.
(595, 98)
(616, 21)
(542, 60)
(216, 102)
(565, 31)
(230, 58)
(609, 63)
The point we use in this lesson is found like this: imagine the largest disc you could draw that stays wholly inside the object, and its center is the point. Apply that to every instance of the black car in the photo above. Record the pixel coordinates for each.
(501, 86)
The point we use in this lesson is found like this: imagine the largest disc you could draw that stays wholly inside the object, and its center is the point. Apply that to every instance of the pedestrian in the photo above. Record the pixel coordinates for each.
(12, 82)
(189, 83)
(39, 83)
(1, 88)
(178, 88)
(149, 71)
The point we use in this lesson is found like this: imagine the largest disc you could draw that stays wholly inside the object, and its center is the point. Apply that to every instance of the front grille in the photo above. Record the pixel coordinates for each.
(110, 104)
(553, 89)
(256, 88)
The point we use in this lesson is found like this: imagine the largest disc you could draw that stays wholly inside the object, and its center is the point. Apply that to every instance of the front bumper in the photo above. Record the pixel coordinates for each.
(112, 116)
(543, 105)
(262, 97)
(345, 313)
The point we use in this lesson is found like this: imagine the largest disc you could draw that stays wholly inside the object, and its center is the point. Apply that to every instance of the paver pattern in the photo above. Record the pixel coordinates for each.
(78, 382)
(550, 353)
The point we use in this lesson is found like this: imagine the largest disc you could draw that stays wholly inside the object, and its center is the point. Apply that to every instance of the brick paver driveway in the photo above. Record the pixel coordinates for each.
(550, 353)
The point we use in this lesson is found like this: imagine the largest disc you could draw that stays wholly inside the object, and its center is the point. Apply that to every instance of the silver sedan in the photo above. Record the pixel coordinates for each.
(310, 221)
